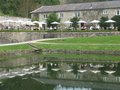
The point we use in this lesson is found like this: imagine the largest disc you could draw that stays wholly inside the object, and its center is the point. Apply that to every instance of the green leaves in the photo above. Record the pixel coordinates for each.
(117, 19)
(52, 18)
(75, 22)
(23, 7)
(103, 23)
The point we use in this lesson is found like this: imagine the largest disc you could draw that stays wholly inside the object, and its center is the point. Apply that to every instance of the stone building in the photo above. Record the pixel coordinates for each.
(85, 11)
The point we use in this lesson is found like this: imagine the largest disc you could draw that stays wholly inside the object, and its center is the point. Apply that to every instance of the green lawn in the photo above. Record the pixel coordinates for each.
(76, 44)
(86, 43)
(15, 47)
(93, 40)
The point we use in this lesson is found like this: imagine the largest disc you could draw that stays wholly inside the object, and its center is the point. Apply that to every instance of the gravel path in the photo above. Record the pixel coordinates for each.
(34, 41)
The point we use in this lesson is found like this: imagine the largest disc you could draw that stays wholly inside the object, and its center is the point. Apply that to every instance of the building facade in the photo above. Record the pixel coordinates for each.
(84, 11)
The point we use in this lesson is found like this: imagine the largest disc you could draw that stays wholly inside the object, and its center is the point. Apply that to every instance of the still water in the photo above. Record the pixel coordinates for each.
(35, 73)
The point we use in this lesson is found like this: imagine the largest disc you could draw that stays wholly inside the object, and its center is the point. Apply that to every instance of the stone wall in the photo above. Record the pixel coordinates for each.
(13, 37)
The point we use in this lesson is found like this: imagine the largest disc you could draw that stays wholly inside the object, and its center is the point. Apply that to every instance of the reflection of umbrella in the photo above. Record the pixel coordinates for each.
(95, 21)
(68, 22)
(110, 21)
(55, 22)
(82, 21)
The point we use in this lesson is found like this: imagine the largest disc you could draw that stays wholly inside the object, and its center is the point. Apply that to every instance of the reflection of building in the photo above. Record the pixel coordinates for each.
(85, 11)
(76, 84)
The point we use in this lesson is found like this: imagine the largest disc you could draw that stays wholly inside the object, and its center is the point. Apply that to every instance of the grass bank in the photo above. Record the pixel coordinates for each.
(106, 43)
(84, 43)
(14, 47)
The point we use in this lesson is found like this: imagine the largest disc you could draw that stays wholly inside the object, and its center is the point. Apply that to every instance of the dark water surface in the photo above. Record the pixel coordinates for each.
(35, 73)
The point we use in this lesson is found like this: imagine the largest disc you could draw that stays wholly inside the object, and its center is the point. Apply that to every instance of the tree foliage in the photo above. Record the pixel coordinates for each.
(117, 23)
(102, 23)
(74, 21)
(52, 18)
(23, 7)
(9, 6)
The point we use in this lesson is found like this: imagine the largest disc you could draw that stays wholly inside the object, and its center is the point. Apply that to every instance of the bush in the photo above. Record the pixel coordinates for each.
(117, 19)
(74, 21)
(52, 18)
(103, 24)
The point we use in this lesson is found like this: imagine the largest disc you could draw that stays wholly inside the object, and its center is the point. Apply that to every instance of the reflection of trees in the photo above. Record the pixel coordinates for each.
(111, 67)
(24, 84)
(75, 68)
(117, 70)
(50, 72)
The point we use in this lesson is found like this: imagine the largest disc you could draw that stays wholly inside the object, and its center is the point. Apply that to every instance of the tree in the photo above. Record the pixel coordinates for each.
(117, 19)
(103, 23)
(52, 18)
(74, 21)
(9, 7)
(49, 2)
(23, 7)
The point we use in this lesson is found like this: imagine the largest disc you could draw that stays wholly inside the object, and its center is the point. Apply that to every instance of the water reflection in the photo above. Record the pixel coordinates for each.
(46, 75)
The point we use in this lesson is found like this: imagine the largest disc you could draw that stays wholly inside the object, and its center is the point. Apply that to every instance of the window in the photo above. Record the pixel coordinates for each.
(118, 12)
(77, 14)
(61, 15)
(105, 11)
(45, 16)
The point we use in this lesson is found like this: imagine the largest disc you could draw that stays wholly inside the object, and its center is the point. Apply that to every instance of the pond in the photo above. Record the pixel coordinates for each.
(36, 73)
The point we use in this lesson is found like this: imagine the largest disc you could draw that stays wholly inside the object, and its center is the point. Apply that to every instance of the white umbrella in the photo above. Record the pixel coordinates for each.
(110, 21)
(9, 21)
(95, 21)
(20, 21)
(43, 23)
(68, 22)
(82, 21)
(2, 21)
(55, 22)
(36, 22)
(29, 23)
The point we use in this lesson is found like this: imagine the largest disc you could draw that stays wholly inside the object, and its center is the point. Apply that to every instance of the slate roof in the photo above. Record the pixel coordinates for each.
(79, 6)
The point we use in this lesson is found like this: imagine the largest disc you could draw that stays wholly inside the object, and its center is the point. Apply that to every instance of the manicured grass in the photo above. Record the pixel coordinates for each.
(85, 43)
(74, 44)
(15, 47)
(78, 47)
(92, 40)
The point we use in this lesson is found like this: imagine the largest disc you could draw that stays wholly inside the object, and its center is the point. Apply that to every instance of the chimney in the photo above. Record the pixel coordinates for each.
(91, 6)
